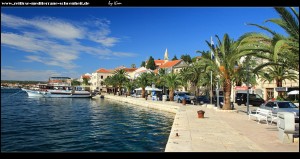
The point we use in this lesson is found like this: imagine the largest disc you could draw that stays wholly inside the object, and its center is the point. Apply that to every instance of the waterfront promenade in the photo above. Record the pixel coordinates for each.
(218, 131)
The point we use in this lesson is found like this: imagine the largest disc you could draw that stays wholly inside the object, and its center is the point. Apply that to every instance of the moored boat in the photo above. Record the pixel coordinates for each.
(58, 89)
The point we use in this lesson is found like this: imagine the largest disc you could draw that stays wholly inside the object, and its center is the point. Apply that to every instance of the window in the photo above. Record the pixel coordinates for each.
(270, 93)
(101, 83)
(270, 104)
(101, 77)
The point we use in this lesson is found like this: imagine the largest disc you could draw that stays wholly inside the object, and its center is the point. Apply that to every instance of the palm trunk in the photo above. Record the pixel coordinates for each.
(227, 90)
(279, 84)
(143, 92)
(171, 95)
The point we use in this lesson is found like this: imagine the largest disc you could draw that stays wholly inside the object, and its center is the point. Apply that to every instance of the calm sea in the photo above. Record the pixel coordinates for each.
(80, 125)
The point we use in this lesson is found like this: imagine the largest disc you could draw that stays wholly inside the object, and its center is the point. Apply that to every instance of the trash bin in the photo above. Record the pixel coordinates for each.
(200, 113)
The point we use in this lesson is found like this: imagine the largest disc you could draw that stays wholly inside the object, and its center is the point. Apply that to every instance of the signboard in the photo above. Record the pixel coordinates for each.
(281, 89)
(241, 88)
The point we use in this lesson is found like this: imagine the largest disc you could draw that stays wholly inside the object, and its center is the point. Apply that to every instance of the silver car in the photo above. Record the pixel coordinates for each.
(281, 106)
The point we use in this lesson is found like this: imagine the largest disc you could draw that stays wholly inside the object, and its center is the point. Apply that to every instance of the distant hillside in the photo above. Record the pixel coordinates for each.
(22, 82)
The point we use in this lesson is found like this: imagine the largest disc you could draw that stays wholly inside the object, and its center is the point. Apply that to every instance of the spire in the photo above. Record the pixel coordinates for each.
(166, 56)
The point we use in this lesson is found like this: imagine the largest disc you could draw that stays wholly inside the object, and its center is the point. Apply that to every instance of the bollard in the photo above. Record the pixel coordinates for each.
(200, 113)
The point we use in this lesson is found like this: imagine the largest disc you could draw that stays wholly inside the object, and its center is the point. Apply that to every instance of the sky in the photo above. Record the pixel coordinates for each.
(40, 42)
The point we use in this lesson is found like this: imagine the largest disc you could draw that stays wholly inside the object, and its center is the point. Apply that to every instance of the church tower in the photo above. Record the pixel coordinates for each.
(166, 56)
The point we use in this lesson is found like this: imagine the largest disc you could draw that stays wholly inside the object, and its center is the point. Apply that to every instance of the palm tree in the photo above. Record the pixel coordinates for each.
(290, 23)
(160, 78)
(129, 86)
(121, 77)
(111, 81)
(184, 77)
(143, 81)
(195, 72)
(273, 50)
(227, 53)
(172, 82)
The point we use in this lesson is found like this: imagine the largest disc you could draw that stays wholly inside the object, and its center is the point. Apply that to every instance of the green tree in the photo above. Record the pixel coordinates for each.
(184, 77)
(289, 21)
(143, 64)
(227, 54)
(143, 81)
(85, 81)
(174, 58)
(75, 83)
(121, 77)
(111, 81)
(129, 86)
(151, 63)
(172, 82)
(186, 58)
(133, 65)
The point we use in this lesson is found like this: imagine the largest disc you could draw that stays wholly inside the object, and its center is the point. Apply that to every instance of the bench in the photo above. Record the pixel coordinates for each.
(262, 114)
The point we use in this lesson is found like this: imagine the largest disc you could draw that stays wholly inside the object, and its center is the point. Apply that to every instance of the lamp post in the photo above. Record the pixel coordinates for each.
(247, 85)
(217, 92)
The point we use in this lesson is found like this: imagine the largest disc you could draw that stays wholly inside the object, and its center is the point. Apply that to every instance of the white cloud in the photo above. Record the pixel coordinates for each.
(58, 29)
(56, 42)
(35, 75)
(12, 21)
(11, 74)
(107, 41)
(21, 42)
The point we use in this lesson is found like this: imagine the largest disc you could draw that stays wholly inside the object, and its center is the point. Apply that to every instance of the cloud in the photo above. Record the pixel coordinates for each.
(58, 28)
(8, 73)
(11, 74)
(57, 42)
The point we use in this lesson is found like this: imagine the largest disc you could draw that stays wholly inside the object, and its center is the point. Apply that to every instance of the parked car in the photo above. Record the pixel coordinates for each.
(254, 99)
(179, 96)
(281, 106)
(200, 100)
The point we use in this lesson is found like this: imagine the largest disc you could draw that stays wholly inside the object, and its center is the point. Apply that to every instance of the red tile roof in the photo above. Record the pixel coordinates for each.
(86, 76)
(170, 64)
(102, 70)
(130, 69)
(159, 62)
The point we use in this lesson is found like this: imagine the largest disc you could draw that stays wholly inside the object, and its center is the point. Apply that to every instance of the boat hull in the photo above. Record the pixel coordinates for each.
(57, 94)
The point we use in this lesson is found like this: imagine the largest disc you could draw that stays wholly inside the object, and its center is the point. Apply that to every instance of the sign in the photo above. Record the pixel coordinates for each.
(241, 88)
(281, 89)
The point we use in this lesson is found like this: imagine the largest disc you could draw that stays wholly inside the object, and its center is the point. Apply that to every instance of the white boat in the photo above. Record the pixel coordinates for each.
(57, 89)
(59, 93)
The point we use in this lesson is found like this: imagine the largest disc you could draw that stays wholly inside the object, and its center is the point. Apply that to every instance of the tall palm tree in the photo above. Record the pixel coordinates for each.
(121, 77)
(144, 80)
(172, 82)
(129, 86)
(184, 77)
(160, 79)
(227, 53)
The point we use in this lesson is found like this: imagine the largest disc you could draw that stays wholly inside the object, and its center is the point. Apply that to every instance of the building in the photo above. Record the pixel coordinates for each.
(98, 77)
(265, 89)
(86, 76)
(60, 80)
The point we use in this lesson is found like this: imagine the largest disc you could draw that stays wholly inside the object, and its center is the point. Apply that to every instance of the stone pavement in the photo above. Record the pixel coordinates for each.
(218, 131)
(221, 131)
